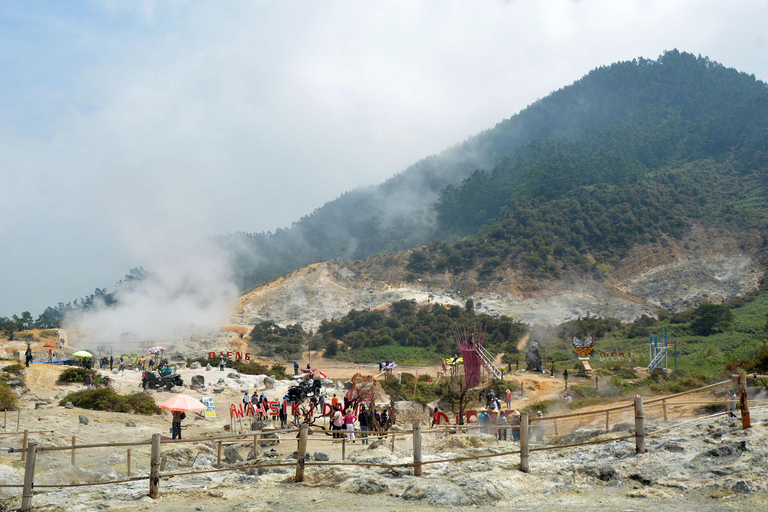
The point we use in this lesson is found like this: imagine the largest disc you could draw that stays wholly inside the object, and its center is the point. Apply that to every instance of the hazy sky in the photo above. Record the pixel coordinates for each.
(124, 123)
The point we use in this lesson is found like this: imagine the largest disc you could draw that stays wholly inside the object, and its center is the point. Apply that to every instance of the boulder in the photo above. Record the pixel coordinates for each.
(297, 378)
(83, 420)
(60, 395)
(231, 455)
(40, 405)
(258, 425)
(177, 389)
(197, 382)
(328, 383)
(195, 365)
(69, 405)
(348, 384)
(322, 456)
(269, 382)
(218, 391)
(233, 375)
(221, 382)
(182, 365)
(339, 384)
(204, 460)
(130, 423)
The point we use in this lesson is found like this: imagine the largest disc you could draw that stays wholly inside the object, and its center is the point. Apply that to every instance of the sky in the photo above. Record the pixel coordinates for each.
(130, 131)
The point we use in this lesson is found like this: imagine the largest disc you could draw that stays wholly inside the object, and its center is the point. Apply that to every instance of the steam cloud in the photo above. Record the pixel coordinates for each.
(189, 288)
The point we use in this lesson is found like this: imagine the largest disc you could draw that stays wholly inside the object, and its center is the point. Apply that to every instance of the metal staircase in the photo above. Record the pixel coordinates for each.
(656, 361)
(487, 361)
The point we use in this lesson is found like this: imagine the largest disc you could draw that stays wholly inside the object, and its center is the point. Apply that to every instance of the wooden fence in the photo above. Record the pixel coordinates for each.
(30, 449)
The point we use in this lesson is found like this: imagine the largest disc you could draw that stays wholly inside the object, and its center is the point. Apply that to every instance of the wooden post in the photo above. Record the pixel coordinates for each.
(129, 463)
(218, 456)
(639, 425)
(743, 401)
(24, 446)
(255, 446)
(392, 446)
(417, 449)
(607, 420)
(5, 420)
(18, 418)
(301, 452)
(343, 448)
(524, 442)
(555, 422)
(73, 450)
(664, 409)
(29, 478)
(154, 468)
(415, 382)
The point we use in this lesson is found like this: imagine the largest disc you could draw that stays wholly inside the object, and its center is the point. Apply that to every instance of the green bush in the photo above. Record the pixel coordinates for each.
(254, 368)
(107, 399)
(14, 369)
(77, 374)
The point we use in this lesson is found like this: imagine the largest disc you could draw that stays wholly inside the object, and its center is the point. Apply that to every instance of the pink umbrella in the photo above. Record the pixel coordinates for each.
(183, 403)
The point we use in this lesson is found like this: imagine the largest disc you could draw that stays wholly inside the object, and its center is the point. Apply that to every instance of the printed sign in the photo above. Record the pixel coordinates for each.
(582, 348)
(210, 412)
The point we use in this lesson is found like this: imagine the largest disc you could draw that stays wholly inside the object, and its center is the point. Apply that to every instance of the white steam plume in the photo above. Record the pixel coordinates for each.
(189, 288)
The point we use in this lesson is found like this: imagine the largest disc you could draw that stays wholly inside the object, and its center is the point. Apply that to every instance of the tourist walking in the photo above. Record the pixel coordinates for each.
(176, 423)
(338, 422)
(508, 398)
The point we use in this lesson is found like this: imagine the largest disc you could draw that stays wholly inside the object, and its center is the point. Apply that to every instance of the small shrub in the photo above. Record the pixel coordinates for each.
(107, 399)
(76, 374)
(16, 370)
(709, 409)
(544, 406)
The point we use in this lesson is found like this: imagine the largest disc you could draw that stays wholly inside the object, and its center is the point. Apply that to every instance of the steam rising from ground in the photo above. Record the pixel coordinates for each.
(189, 288)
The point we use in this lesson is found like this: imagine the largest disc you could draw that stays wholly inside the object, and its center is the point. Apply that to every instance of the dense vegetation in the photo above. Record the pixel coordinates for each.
(613, 127)
(404, 332)
(107, 399)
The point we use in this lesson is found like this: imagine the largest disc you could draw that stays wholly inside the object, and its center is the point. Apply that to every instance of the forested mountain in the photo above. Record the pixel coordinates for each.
(613, 128)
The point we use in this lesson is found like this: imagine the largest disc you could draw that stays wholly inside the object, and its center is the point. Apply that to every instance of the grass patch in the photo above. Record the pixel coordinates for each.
(8, 400)
(276, 370)
(407, 356)
(107, 399)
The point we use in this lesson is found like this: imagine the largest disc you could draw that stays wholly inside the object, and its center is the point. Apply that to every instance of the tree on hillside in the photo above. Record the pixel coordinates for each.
(710, 319)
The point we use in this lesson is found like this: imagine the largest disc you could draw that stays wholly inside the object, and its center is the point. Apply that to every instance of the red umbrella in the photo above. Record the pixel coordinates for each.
(183, 403)
(48, 344)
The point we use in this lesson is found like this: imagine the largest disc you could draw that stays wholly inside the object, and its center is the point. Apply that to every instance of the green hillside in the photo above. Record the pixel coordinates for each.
(616, 126)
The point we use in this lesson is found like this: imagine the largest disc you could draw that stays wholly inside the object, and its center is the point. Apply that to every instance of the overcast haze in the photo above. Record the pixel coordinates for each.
(187, 119)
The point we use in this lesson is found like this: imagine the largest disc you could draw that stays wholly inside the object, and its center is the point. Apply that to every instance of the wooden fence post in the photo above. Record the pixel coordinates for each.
(343, 448)
(555, 422)
(524, 442)
(607, 420)
(218, 456)
(392, 446)
(664, 408)
(24, 444)
(417, 449)
(18, 418)
(639, 425)
(301, 452)
(743, 401)
(73, 450)
(29, 478)
(129, 463)
(255, 446)
(154, 468)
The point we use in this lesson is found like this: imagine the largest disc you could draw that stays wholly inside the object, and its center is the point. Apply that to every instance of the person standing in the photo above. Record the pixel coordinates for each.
(565, 377)
(122, 364)
(28, 356)
(365, 424)
(508, 398)
(111, 363)
(338, 421)
(246, 400)
(221, 364)
(50, 355)
(295, 367)
(176, 422)
(349, 421)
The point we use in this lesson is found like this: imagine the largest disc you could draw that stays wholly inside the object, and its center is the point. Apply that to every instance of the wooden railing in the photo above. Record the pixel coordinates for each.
(31, 449)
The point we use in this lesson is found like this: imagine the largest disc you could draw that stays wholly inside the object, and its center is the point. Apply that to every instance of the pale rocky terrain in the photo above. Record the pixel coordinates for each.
(707, 265)
(708, 465)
